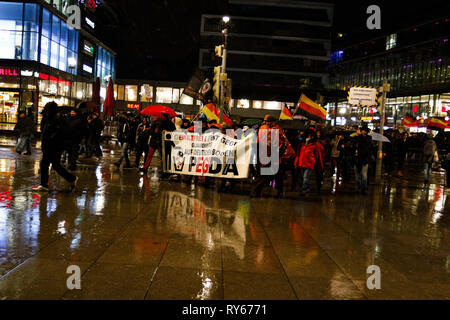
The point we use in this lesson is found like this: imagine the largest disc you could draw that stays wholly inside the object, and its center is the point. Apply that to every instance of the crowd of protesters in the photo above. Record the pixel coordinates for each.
(350, 155)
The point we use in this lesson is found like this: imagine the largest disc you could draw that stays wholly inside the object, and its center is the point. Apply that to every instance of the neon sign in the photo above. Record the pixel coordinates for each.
(8, 72)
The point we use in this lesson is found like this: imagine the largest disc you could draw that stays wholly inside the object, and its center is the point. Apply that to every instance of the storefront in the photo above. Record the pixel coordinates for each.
(43, 59)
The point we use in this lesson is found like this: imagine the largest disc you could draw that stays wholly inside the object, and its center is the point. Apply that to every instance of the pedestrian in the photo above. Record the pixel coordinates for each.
(309, 157)
(142, 141)
(362, 155)
(73, 131)
(388, 153)
(429, 150)
(402, 150)
(95, 128)
(336, 155)
(52, 146)
(285, 152)
(158, 129)
(446, 166)
(125, 137)
(25, 127)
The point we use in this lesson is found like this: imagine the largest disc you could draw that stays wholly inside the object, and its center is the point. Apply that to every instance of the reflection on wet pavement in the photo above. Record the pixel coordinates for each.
(135, 238)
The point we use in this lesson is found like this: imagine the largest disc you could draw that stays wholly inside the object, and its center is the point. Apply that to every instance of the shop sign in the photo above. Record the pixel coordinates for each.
(133, 106)
(8, 72)
(366, 118)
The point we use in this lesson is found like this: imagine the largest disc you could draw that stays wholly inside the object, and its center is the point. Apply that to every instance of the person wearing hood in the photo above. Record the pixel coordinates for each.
(52, 146)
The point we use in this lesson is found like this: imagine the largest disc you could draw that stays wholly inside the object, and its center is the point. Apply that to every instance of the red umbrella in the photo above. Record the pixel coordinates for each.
(109, 104)
(156, 110)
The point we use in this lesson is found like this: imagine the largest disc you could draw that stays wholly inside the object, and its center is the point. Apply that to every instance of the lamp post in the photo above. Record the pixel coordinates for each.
(72, 63)
(223, 76)
(385, 88)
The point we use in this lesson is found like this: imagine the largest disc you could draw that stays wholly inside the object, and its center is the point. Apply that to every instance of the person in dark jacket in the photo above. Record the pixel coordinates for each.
(52, 147)
(125, 137)
(402, 150)
(388, 153)
(95, 128)
(74, 129)
(362, 155)
(25, 128)
(142, 139)
(159, 127)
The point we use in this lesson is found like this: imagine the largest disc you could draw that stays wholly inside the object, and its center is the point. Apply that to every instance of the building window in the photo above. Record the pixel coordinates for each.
(146, 93)
(163, 95)
(391, 41)
(186, 100)
(131, 93)
(243, 103)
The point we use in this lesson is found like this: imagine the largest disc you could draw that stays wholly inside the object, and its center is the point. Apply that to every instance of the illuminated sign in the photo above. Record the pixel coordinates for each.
(8, 72)
(87, 68)
(26, 73)
(90, 23)
(366, 118)
(133, 106)
(88, 48)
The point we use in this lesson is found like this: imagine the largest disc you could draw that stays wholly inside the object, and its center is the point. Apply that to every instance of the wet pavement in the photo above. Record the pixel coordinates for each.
(137, 238)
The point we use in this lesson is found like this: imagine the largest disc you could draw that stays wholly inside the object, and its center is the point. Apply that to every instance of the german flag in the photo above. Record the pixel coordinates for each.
(311, 110)
(286, 114)
(213, 113)
(409, 122)
(437, 124)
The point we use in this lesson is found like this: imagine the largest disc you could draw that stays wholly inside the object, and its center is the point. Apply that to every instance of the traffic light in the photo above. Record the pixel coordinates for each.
(216, 56)
(216, 85)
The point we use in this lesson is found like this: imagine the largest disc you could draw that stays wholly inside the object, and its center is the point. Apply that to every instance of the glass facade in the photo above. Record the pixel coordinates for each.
(19, 29)
(105, 65)
(59, 43)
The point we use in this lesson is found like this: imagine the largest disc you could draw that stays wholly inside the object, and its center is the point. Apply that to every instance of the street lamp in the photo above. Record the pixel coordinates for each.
(226, 20)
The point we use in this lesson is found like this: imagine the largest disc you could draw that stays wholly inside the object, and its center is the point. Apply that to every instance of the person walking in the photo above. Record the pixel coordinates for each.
(336, 155)
(142, 139)
(362, 155)
(309, 157)
(25, 127)
(429, 150)
(125, 137)
(52, 147)
(159, 128)
(402, 150)
(74, 129)
(285, 152)
(95, 128)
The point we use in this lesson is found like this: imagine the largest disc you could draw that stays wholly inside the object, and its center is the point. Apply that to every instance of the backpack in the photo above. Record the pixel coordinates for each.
(429, 148)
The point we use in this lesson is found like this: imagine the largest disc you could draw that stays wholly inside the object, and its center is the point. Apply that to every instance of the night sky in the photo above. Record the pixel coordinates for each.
(158, 40)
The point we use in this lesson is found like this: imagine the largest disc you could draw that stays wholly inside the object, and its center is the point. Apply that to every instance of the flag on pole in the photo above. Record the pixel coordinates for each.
(213, 113)
(286, 114)
(311, 110)
(409, 122)
(437, 124)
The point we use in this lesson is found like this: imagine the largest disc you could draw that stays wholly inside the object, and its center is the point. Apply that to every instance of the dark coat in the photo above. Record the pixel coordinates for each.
(362, 150)
(25, 126)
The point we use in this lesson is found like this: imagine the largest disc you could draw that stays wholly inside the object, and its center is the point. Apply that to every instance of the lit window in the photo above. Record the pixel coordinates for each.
(391, 41)
(164, 95)
(243, 103)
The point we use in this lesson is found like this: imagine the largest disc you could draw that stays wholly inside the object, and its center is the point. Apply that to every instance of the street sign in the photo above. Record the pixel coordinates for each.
(363, 96)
